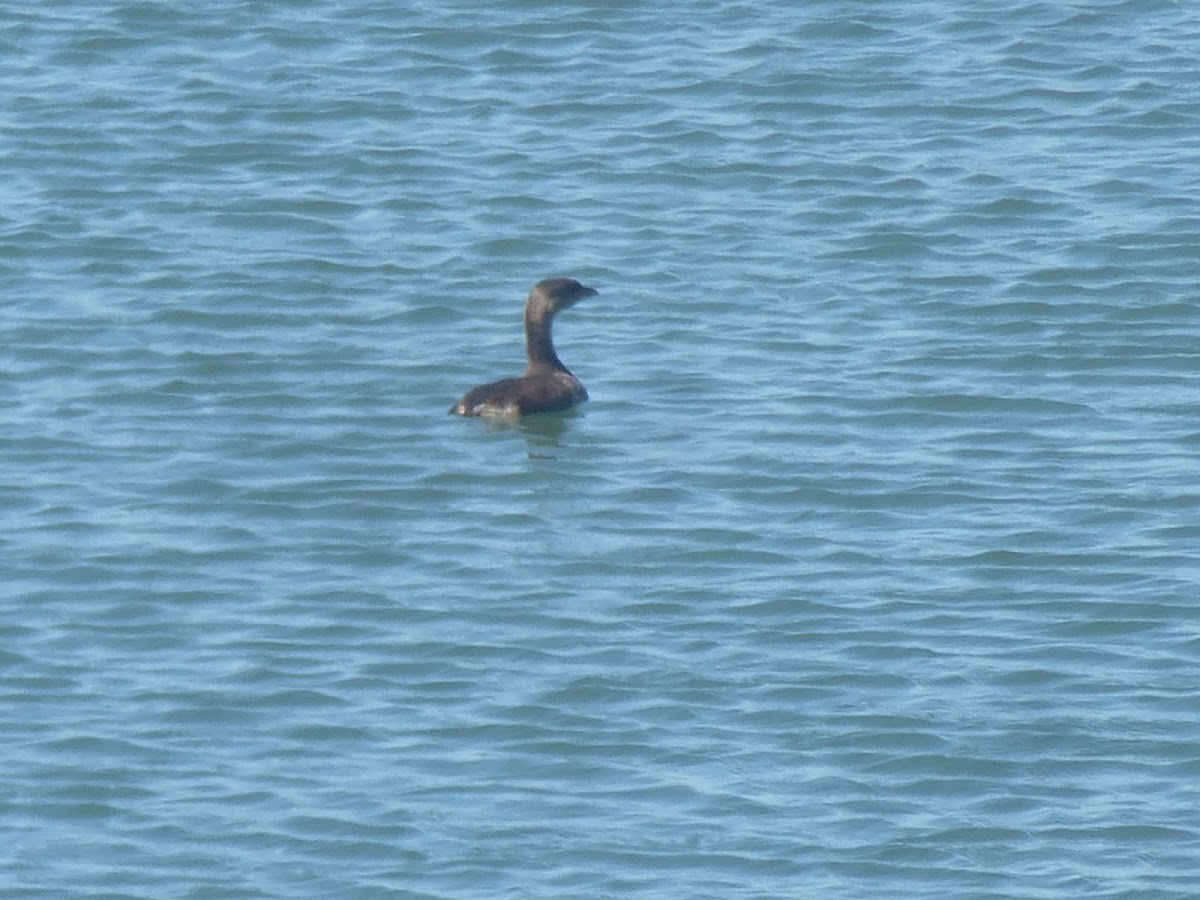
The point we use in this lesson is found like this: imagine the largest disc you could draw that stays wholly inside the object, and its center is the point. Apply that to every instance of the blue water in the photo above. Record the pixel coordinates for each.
(870, 569)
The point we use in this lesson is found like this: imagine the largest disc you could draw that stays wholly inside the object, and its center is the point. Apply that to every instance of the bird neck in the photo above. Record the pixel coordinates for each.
(539, 348)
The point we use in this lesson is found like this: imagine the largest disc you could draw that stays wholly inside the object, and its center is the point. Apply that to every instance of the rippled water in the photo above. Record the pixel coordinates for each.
(869, 570)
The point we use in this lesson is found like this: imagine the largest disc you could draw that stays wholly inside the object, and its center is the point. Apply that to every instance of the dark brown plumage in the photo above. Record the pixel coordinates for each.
(547, 385)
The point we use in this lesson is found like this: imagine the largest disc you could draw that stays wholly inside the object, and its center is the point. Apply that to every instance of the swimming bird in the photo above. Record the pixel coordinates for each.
(547, 385)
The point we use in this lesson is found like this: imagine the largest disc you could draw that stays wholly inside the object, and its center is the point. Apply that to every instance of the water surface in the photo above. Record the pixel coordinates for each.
(869, 569)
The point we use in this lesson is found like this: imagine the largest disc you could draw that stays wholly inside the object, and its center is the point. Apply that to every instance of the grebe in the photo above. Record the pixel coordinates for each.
(547, 385)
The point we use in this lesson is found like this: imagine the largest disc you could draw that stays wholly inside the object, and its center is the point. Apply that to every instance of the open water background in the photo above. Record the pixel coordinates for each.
(870, 570)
